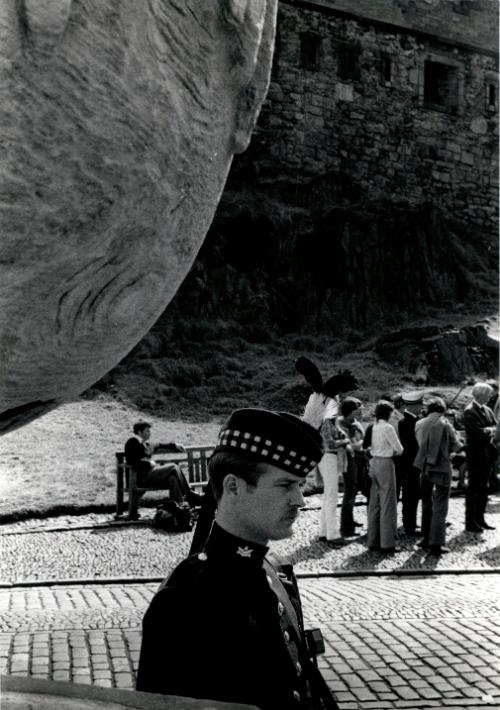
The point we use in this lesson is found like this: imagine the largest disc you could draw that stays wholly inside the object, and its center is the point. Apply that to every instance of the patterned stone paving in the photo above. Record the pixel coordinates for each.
(391, 643)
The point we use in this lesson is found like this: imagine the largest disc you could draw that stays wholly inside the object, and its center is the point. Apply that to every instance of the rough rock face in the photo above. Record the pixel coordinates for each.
(119, 121)
(320, 257)
(437, 355)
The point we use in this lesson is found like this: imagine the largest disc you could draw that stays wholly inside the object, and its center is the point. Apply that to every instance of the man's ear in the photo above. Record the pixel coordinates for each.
(230, 484)
(252, 27)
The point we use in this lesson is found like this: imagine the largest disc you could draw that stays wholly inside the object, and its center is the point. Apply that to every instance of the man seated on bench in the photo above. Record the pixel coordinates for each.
(138, 453)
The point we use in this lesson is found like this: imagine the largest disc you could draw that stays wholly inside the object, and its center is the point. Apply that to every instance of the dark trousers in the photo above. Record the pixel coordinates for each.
(168, 476)
(364, 481)
(411, 496)
(476, 494)
(435, 488)
(399, 469)
(350, 489)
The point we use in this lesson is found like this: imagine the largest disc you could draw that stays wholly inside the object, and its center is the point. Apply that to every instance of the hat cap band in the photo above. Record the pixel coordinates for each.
(264, 449)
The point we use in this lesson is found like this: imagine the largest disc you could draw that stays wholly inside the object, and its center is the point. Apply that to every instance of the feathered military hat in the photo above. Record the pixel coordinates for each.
(322, 403)
(343, 381)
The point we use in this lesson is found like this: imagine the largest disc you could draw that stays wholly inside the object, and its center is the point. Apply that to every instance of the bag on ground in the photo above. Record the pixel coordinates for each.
(173, 517)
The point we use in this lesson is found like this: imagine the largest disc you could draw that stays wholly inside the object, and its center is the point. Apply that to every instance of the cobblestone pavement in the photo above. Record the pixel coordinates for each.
(409, 631)
(91, 546)
(412, 642)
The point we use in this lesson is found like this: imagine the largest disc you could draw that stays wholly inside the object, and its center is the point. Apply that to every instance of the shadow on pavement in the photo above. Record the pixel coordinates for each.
(315, 550)
(490, 556)
(465, 539)
(420, 559)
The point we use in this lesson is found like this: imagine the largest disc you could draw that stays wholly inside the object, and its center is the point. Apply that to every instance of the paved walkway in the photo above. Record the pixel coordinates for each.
(405, 632)
(413, 642)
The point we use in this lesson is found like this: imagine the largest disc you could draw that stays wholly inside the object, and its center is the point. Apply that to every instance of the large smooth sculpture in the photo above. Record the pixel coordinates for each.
(118, 123)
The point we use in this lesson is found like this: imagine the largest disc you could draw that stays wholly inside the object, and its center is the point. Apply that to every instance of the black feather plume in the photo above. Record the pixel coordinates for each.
(343, 382)
(310, 372)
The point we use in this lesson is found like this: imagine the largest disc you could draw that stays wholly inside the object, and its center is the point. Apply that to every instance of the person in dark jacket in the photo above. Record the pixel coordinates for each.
(138, 454)
(437, 439)
(410, 475)
(232, 609)
(480, 427)
(354, 462)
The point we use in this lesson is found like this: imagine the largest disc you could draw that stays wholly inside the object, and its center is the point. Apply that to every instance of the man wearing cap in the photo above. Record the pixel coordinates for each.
(410, 476)
(233, 607)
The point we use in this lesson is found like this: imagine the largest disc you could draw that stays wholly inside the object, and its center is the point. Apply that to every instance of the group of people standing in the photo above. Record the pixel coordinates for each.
(406, 452)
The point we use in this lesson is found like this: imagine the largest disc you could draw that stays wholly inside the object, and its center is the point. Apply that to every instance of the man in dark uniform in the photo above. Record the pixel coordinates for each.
(480, 427)
(410, 476)
(227, 624)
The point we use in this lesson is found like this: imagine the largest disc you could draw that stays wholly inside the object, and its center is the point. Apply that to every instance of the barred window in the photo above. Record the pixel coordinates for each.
(441, 86)
(491, 97)
(349, 61)
(310, 45)
(385, 70)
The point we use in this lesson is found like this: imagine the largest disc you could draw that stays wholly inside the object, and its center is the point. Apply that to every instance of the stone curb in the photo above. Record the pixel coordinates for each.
(70, 528)
(300, 575)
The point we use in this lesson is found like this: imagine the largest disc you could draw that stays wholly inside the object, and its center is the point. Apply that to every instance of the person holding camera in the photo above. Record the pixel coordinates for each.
(232, 604)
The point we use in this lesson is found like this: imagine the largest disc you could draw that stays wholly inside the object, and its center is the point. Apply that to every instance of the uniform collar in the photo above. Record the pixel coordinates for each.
(224, 545)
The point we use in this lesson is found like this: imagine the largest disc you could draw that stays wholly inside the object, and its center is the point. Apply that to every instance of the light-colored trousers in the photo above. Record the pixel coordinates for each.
(328, 523)
(382, 506)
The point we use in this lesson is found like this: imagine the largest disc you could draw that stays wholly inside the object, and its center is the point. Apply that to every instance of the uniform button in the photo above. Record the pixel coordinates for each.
(296, 695)
(202, 556)
(298, 667)
(281, 608)
(286, 636)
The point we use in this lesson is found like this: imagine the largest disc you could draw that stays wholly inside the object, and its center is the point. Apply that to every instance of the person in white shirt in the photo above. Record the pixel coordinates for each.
(382, 506)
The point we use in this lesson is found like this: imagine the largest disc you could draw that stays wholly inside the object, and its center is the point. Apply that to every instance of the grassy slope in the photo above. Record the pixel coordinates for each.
(64, 461)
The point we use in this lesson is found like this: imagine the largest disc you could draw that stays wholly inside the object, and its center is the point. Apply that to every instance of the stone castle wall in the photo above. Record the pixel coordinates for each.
(405, 105)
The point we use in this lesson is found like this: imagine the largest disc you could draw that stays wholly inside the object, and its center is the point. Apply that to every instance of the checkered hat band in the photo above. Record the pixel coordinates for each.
(275, 453)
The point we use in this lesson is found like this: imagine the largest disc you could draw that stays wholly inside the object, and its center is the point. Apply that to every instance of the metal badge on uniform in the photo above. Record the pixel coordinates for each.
(244, 551)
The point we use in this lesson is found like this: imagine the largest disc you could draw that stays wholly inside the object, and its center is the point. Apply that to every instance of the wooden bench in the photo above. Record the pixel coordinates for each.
(195, 459)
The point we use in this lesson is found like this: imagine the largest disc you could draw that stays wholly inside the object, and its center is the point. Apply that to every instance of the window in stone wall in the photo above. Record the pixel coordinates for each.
(491, 97)
(441, 83)
(348, 57)
(310, 45)
(465, 6)
(385, 70)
